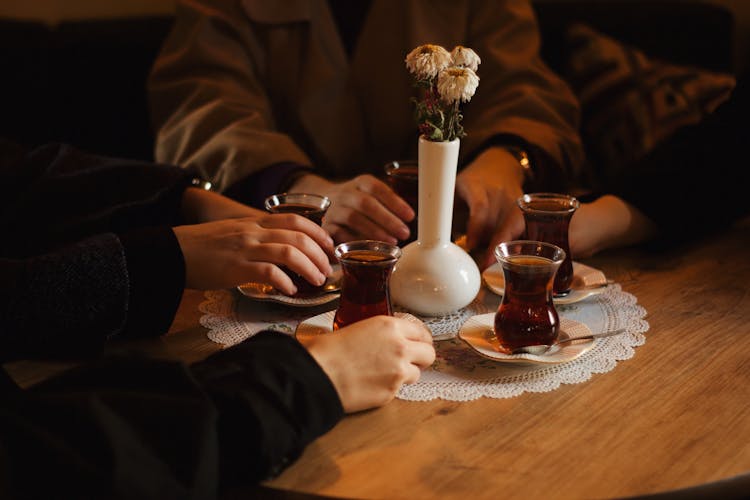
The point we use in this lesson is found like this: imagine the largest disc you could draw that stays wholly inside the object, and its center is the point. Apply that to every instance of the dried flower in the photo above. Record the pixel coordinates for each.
(426, 61)
(465, 57)
(456, 84)
(447, 80)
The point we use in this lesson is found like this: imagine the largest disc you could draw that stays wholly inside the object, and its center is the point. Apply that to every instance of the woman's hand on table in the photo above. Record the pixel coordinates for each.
(370, 360)
(607, 222)
(227, 253)
(361, 208)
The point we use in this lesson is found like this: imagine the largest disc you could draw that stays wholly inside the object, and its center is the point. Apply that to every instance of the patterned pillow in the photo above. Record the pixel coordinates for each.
(630, 102)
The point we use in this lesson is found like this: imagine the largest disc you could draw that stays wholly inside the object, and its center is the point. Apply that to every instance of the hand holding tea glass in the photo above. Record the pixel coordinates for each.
(310, 206)
(366, 267)
(527, 316)
(403, 178)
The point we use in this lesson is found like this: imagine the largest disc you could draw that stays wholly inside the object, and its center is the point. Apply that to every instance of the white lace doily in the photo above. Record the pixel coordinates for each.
(446, 327)
(230, 319)
(458, 374)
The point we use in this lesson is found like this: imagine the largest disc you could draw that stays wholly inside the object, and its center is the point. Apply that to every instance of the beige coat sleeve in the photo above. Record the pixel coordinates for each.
(208, 105)
(518, 94)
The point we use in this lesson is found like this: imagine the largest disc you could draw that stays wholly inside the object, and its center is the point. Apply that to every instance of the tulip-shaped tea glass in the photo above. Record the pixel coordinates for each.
(366, 267)
(310, 206)
(547, 217)
(527, 315)
(403, 177)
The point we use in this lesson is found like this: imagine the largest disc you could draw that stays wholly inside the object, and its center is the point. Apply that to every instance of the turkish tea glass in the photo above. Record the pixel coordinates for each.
(366, 266)
(547, 217)
(403, 177)
(310, 206)
(527, 316)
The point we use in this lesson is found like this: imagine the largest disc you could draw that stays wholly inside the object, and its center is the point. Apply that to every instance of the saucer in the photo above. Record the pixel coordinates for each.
(478, 333)
(323, 323)
(587, 281)
(262, 291)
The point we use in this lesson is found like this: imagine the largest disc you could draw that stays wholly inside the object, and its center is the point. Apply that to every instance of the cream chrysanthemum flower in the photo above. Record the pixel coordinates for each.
(456, 84)
(464, 56)
(426, 61)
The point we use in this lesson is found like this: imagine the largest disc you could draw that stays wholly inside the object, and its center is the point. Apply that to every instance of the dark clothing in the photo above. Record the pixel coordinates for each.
(129, 428)
(696, 181)
(88, 254)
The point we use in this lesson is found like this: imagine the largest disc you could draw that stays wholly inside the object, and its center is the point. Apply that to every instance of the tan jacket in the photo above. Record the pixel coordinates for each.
(244, 84)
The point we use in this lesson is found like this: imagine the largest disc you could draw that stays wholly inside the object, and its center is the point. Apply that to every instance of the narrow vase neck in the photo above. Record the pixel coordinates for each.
(438, 162)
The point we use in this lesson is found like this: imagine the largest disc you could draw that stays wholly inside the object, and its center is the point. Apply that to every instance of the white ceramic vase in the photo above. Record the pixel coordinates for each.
(434, 276)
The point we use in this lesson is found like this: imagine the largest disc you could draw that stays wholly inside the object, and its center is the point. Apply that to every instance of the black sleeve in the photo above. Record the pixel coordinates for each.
(87, 252)
(696, 181)
(130, 428)
(61, 195)
(69, 302)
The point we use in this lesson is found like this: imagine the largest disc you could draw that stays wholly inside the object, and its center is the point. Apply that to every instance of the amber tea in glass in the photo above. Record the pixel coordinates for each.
(403, 177)
(527, 315)
(310, 206)
(547, 217)
(366, 266)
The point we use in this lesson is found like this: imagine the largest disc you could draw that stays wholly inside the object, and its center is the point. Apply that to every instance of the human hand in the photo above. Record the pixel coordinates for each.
(199, 205)
(605, 223)
(370, 360)
(227, 253)
(490, 186)
(362, 208)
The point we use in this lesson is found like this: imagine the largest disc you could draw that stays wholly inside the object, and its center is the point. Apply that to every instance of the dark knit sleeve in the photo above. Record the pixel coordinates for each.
(63, 302)
(695, 181)
(70, 301)
(139, 428)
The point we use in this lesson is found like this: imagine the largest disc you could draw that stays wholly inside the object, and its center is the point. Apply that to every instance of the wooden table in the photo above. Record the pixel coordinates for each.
(675, 415)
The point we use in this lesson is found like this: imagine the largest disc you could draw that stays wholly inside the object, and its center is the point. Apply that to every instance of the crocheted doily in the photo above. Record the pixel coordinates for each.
(459, 373)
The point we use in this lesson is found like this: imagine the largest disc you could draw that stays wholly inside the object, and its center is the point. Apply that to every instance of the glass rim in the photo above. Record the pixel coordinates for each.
(395, 165)
(374, 245)
(315, 200)
(572, 201)
(501, 257)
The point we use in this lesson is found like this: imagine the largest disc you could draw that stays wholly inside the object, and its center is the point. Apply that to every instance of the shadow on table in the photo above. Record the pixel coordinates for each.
(266, 493)
(736, 487)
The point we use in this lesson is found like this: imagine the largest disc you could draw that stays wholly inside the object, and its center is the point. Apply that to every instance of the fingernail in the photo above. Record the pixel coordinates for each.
(321, 279)
(330, 241)
(403, 232)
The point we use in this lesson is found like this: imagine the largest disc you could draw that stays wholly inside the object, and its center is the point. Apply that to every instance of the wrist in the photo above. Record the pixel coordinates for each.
(500, 163)
(524, 162)
(308, 183)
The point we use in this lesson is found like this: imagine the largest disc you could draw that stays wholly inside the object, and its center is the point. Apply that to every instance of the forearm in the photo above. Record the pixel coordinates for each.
(608, 222)
(199, 205)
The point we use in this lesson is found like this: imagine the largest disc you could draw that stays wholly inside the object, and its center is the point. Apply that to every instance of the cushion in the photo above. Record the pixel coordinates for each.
(630, 102)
